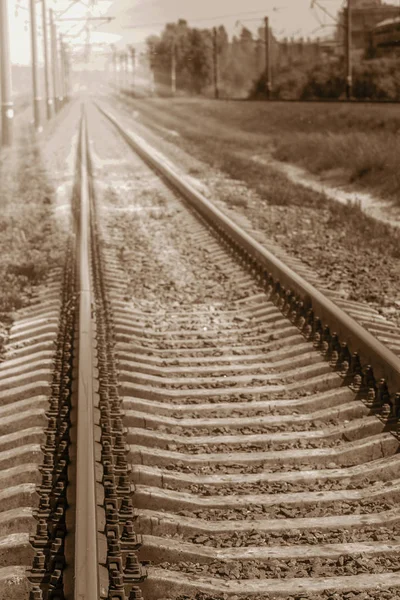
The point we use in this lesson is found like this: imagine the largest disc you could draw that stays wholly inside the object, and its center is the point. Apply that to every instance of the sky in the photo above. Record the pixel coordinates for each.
(287, 17)
(137, 19)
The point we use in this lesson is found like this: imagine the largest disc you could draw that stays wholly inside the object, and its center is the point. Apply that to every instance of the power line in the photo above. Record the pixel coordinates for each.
(205, 20)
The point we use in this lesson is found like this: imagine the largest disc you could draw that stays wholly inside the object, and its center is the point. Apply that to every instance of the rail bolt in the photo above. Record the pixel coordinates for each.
(38, 561)
(386, 411)
(371, 395)
(50, 441)
(128, 531)
(114, 549)
(55, 578)
(132, 566)
(113, 391)
(44, 503)
(334, 358)
(136, 594)
(41, 529)
(48, 460)
(117, 579)
(36, 593)
(47, 480)
(126, 508)
(111, 514)
(108, 469)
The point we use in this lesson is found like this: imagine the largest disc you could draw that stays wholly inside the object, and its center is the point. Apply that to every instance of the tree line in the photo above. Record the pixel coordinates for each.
(195, 53)
(303, 74)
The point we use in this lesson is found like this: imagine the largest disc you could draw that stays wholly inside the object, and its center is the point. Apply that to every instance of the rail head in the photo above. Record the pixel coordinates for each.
(322, 314)
(86, 560)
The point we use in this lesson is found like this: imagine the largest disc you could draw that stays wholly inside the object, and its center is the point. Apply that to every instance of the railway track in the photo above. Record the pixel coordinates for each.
(186, 416)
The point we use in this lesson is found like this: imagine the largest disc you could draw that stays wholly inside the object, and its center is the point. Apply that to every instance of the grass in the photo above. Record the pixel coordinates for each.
(30, 240)
(362, 141)
(347, 248)
(366, 160)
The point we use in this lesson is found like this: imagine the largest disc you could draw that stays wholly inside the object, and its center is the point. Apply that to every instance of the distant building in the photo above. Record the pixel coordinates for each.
(385, 37)
(365, 3)
(300, 51)
(366, 14)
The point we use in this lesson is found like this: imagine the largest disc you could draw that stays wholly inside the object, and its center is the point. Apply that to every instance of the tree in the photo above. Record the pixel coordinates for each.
(194, 59)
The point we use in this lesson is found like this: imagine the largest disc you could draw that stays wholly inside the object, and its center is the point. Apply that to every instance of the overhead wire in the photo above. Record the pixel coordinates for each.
(202, 20)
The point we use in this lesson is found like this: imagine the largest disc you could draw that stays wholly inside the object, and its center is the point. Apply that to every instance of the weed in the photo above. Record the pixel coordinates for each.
(195, 171)
(30, 242)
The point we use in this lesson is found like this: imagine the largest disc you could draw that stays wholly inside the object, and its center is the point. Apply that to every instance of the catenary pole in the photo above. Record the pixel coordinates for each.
(47, 74)
(133, 60)
(119, 71)
(54, 60)
(114, 66)
(215, 62)
(60, 51)
(173, 68)
(7, 106)
(349, 78)
(35, 68)
(268, 61)
(67, 71)
(126, 62)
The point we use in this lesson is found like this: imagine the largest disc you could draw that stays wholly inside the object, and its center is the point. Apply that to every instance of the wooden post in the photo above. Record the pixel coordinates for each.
(47, 75)
(54, 61)
(133, 60)
(173, 68)
(215, 62)
(7, 106)
(36, 100)
(268, 61)
(349, 74)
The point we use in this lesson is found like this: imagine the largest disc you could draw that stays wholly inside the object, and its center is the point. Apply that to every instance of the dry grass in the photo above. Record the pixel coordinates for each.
(30, 240)
(360, 140)
(364, 159)
(347, 249)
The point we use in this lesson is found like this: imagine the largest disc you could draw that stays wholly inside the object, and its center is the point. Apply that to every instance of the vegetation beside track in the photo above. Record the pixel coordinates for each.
(358, 143)
(349, 250)
(30, 240)
(373, 79)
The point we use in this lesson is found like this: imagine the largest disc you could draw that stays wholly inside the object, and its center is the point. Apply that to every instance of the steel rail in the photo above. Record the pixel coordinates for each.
(386, 365)
(86, 561)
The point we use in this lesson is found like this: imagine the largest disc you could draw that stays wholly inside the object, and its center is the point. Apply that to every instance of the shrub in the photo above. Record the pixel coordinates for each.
(375, 79)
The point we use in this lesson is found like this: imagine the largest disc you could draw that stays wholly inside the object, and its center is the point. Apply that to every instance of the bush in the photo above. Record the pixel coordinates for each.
(324, 81)
(288, 85)
(375, 79)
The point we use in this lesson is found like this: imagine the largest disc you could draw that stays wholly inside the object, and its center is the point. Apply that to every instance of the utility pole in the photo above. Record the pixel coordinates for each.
(152, 65)
(67, 71)
(215, 62)
(123, 70)
(114, 60)
(173, 68)
(349, 78)
(119, 71)
(268, 61)
(62, 71)
(133, 59)
(126, 62)
(35, 69)
(47, 75)
(54, 60)
(7, 107)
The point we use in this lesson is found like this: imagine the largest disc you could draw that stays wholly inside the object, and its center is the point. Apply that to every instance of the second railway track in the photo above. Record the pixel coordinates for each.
(215, 427)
